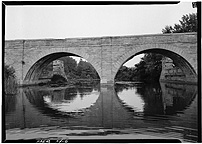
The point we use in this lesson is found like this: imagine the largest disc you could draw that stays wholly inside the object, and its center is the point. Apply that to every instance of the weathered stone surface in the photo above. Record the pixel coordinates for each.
(106, 54)
(170, 72)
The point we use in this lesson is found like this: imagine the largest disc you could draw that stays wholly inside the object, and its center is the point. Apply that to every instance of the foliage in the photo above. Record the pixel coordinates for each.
(9, 72)
(82, 70)
(86, 71)
(9, 80)
(188, 23)
(70, 66)
(148, 69)
(58, 78)
(125, 74)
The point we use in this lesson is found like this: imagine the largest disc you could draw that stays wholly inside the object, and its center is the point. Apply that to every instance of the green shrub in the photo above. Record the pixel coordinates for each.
(10, 82)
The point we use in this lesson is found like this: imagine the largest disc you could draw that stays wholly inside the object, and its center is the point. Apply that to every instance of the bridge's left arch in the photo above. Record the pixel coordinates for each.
(35, 64)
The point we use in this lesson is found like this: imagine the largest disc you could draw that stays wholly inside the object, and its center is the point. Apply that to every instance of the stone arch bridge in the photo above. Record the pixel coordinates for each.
(106, 54)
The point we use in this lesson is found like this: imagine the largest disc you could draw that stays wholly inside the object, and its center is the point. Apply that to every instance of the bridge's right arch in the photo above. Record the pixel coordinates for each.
(181, 58)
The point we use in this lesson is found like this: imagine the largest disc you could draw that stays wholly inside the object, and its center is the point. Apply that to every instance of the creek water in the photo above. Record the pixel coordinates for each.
(164, 110)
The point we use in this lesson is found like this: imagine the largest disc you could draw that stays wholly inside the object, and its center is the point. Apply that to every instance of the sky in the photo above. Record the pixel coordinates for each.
(59, 22)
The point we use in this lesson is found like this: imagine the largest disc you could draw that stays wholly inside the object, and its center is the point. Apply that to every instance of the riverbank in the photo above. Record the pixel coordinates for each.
(128, 82)
(70, 83)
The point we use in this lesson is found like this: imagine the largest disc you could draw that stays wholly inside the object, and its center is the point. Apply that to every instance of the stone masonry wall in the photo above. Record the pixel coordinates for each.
(171, 72)
(106, 54)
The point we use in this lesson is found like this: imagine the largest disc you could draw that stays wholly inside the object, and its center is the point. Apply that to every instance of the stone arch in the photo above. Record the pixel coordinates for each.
(176, 54)
(34, 62)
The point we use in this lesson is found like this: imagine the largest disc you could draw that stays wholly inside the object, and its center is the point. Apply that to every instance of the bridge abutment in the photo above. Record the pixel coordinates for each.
(172, 73)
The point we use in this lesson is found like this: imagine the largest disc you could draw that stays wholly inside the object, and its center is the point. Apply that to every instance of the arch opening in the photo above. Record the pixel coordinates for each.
(36, 71)
(179, 65)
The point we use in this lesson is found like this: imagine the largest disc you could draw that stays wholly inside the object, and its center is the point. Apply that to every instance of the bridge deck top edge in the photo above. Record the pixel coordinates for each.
(103, 37)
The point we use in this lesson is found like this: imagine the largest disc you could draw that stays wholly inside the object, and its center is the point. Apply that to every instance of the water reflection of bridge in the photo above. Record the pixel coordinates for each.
(108, 111)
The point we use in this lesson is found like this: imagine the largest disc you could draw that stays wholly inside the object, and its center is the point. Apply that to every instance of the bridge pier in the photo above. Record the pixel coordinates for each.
(172, 73)
(106, 82)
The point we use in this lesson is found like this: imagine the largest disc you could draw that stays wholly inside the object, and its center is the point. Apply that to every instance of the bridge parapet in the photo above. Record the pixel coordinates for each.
(99, 41)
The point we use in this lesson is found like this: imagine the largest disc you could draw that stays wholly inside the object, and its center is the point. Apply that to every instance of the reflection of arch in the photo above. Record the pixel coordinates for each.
(35, 98)
(36, 63)
(171, 97)
(38, 96)
(179, 57)
(177, 96)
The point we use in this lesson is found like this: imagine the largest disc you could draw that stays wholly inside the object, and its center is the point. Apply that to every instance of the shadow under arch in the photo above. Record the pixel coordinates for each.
(36, 69)
(178, 60)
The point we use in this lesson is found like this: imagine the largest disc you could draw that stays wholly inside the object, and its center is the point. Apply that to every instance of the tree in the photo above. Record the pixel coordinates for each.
(86, 71)
(70, 66)
(149, 68)
(125, 74)
(188, 23)
(58, 79)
